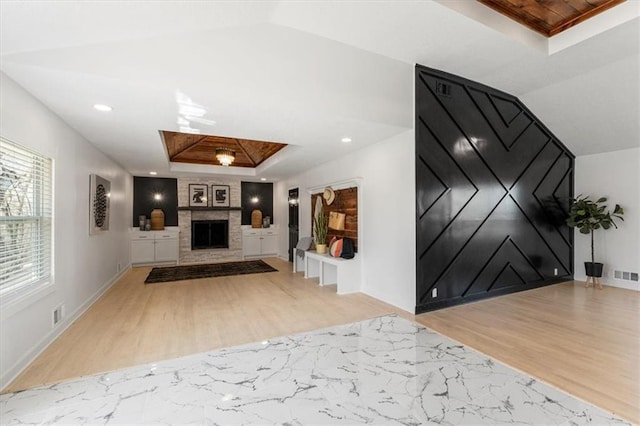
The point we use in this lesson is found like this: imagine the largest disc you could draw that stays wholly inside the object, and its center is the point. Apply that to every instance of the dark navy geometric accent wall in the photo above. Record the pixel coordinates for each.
(492, 190)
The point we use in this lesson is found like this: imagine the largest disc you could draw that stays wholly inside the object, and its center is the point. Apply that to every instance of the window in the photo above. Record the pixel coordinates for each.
(25, 218)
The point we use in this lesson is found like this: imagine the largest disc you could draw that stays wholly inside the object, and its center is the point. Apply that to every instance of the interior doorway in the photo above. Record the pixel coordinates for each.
(293, 221)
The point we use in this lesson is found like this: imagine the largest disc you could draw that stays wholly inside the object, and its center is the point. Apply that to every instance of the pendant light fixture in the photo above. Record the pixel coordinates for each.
(225, 156)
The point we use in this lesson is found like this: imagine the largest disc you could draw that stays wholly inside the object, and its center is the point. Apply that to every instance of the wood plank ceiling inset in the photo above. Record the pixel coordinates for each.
(201, 149)
(550, 17)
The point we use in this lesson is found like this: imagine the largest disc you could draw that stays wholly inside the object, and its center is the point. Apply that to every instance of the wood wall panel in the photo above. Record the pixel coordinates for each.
(346, 202)
(492, 190)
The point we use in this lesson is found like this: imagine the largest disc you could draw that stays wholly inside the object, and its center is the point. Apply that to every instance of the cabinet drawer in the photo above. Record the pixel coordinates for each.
(269, 232)
(141, 236)
(250, 232)
(166, 235)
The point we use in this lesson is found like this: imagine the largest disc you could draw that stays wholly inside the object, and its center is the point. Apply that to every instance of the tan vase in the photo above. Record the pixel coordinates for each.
(157, 220)
(256, 219)
(321, 248)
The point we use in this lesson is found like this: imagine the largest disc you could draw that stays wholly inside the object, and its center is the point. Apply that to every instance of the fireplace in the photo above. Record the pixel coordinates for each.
(209, 234)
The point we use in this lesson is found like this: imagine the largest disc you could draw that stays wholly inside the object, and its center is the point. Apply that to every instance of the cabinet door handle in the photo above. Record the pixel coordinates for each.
(142, 237)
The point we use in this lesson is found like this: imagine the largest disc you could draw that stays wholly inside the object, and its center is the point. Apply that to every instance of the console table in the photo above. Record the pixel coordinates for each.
(332, 270)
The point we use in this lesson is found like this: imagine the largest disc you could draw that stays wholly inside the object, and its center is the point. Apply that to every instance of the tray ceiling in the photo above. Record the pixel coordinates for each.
(550, 17)
(201, 149)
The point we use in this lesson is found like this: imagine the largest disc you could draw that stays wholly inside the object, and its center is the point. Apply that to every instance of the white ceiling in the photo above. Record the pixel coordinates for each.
(302, 73)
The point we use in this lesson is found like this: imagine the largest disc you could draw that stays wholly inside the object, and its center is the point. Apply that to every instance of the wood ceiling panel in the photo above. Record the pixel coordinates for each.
(550, 17)
(201, 149)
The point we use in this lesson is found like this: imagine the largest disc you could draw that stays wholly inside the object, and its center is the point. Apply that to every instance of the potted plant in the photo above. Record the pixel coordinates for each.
(320, 226)
(588, 215)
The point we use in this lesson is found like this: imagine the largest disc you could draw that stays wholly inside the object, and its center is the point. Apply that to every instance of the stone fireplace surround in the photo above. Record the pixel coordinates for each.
(234, 252)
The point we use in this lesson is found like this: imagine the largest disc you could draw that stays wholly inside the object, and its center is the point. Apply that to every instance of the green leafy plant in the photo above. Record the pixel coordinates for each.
(321, 226)
(588, 215)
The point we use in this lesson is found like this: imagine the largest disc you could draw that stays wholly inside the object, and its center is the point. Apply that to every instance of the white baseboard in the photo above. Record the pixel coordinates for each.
(10, 375)
(612, 282)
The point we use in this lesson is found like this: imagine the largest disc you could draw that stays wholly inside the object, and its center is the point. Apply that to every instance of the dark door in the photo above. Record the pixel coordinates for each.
(293, 221)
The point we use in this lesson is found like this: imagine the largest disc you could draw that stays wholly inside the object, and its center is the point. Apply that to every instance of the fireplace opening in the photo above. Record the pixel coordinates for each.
(208, 234)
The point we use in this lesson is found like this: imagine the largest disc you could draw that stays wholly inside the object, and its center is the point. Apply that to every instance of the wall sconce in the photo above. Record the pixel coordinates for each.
(255, 199)
(157, 196)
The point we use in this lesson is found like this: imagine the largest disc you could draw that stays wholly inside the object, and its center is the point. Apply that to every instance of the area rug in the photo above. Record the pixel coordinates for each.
(209, 270)
(386, 370)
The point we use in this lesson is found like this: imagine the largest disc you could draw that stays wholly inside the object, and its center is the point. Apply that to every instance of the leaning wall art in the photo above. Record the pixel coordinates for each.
(100, 191)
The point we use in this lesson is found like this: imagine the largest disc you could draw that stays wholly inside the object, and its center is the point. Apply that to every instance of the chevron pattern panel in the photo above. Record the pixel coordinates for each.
(492, 190)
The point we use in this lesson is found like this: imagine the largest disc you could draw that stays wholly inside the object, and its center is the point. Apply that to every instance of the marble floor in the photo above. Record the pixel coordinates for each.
(386, 370)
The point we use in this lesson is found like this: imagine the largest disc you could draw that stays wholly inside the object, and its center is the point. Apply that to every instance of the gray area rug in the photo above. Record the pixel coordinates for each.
(210, 270)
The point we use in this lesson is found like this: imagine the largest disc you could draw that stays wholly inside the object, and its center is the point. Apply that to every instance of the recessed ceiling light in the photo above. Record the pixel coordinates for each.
(345, 140)
(102, 107)
(153, 173)
(263, 179)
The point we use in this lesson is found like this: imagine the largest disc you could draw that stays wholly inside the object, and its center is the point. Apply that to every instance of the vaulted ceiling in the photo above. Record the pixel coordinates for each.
(307, 74)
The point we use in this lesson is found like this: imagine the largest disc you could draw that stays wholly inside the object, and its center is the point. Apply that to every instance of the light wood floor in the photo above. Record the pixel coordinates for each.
(134, 323)
(581, 340)
(584, 341)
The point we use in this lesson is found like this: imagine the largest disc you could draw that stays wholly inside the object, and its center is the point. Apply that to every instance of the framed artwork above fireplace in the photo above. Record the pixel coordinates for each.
(198, 195)
(220, 196)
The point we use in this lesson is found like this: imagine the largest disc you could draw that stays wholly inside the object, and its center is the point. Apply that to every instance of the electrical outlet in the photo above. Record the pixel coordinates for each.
(555, 271)
(434, 292)
(57, 315)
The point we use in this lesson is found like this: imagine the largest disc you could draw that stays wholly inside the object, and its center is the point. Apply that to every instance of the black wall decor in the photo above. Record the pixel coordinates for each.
(144, 191)
(492, 191)
(256, 195)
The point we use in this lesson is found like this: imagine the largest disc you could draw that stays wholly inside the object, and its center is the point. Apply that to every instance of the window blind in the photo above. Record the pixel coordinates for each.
(25, 217)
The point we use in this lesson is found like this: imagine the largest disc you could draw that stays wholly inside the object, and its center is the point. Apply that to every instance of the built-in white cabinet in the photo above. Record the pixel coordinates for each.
(154, 247)
(259, 242)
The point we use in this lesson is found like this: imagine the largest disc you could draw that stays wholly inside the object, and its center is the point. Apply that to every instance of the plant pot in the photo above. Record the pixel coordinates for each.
(321, 248)
(593, 269)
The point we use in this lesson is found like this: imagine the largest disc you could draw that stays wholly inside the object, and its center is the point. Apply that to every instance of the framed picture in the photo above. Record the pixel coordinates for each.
(220, 196)
(100, 191)
(198, 195)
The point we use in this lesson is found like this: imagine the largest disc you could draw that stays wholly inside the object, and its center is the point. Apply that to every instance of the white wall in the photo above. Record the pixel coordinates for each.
(386, 239)
(84, 265)
(615, 175)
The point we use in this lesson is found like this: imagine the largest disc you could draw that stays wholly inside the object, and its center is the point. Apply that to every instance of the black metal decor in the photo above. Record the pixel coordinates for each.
(492, 191)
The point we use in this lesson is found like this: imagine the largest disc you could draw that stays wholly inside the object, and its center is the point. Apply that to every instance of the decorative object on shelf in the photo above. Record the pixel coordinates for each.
(335, 247)
(99, 204)
(157, 220)
(225, 156)
(348, 250)
(142, 220)
(588, 215)
(198, 195)
(220, 195)
(256, 219)
(266, 222)
(320, 226)
(147, 225)
(328, 195)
